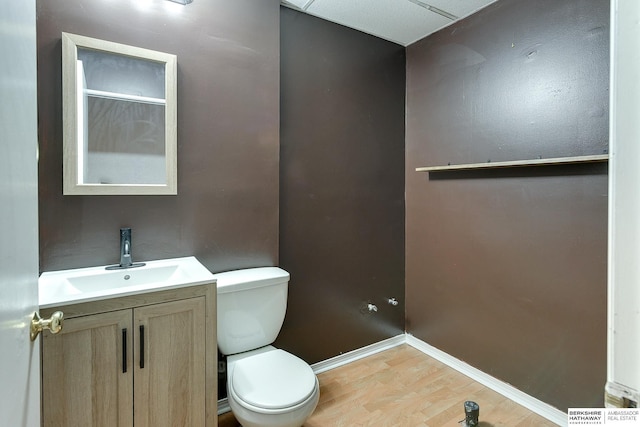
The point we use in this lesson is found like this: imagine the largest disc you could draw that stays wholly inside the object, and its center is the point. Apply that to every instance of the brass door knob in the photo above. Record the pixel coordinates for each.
(54, 324)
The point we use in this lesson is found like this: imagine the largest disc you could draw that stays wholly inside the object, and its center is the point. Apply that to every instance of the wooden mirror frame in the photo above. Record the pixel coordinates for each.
(72, 178)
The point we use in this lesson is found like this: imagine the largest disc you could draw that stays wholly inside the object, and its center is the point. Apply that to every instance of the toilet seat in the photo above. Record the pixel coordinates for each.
(272, 380)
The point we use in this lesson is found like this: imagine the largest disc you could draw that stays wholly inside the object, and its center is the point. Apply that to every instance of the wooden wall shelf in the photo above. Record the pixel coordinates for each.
(518, 163)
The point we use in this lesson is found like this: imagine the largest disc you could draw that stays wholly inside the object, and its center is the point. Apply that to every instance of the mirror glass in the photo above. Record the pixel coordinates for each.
(119, 109)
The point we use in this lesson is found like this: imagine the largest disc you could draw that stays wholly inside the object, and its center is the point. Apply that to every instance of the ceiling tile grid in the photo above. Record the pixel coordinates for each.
(400, 21)
(459, 8)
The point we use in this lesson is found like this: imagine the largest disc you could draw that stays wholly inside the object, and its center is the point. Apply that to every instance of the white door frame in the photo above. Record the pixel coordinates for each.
(623, 343)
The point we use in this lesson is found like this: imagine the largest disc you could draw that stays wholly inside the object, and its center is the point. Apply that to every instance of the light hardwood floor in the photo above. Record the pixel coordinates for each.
(404, 387)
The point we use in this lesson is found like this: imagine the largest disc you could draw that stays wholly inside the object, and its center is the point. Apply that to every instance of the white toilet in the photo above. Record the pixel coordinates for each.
(265, 386)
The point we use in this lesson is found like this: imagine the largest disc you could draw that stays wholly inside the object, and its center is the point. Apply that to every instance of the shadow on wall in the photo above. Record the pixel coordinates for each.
(341, 186)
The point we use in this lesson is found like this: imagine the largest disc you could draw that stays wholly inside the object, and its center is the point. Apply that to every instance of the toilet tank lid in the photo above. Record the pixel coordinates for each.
(249, 278)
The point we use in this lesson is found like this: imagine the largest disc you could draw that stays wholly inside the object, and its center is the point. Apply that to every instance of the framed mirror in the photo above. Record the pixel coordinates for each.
(119, 118)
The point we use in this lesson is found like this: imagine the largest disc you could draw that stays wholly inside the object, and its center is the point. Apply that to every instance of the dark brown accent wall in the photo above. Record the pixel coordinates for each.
(226, 210)
(506, 269)
(342, 186)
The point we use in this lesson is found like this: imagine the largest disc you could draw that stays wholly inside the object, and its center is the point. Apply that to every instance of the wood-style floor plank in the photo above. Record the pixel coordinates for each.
(404, 387)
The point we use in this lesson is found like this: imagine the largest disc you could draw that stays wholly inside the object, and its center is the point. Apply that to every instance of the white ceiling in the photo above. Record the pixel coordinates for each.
(400, 21)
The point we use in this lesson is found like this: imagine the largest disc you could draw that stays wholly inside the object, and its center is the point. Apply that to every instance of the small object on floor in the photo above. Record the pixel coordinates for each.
(471, 414)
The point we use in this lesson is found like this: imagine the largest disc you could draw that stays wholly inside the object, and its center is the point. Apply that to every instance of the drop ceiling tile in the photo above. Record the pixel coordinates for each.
(459, 8)
(297, 3)
(399, 21)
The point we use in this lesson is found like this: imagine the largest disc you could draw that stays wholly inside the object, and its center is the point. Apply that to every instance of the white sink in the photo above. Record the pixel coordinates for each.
(96, 283)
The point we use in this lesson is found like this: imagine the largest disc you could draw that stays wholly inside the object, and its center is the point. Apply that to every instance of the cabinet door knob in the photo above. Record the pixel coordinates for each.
(38, 324)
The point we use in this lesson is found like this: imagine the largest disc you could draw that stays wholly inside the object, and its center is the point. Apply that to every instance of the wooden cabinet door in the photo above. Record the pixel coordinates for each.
(169, 359)
(85, 380)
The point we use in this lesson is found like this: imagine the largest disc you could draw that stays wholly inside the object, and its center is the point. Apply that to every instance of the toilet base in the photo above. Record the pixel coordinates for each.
(250, 416)
(296, 418)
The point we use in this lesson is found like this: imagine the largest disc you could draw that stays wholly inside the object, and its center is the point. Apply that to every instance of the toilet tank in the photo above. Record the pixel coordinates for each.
(251, 307)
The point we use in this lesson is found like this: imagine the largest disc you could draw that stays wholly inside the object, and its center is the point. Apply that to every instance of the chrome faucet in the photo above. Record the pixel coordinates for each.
(125, 248)
(125, 251)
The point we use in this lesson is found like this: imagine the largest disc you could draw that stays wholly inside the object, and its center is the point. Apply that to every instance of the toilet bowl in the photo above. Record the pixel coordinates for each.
(266, 386)
(270, 387)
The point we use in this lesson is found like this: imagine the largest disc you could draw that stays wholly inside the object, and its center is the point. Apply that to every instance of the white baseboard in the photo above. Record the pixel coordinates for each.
(357, 354)
(223, 406)
(543, 409)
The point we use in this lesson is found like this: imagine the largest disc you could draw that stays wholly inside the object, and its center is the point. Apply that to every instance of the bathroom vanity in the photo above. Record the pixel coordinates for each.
(132, 358)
